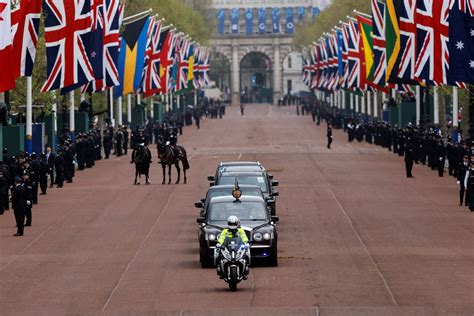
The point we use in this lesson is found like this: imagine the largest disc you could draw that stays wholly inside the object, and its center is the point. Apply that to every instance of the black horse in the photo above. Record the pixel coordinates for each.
(172, 156)
(141, 156)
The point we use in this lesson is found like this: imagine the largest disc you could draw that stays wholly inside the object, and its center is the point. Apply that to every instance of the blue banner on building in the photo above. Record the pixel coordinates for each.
(290, 25)
(234, 21)
(220, 21)
(316, 12)
(262, 17)
(276, 20)
(301, 13)
(249, 21)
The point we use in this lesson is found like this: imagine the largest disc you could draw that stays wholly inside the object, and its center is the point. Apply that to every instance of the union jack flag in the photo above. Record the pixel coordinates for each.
(151, 73)
(197, 67)
(67, 32)
(322, 64)
(379, 44)
(107, 18)
(353, 55)
(345, 55)
(306, 71)
(205, 68)
(25, 25)
(314, 66)
(432, 21)
(183, 65)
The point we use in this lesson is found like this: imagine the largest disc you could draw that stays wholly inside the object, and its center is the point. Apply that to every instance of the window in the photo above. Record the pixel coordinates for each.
(290, 62)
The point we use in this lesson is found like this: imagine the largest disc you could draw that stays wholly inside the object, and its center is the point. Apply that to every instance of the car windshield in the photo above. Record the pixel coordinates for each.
(248, 180)
(245, 211)
(228, 191)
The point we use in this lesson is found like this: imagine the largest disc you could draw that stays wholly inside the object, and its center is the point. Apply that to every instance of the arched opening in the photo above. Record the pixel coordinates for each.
(220, 73)
(256, 78)
(292, 83)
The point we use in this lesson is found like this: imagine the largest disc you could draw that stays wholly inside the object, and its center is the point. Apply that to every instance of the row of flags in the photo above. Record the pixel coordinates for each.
(403, 43)
(84, 49)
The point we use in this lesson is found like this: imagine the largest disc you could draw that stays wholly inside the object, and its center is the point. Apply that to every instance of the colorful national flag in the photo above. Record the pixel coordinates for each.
(392, 38)
(25, 25)
(366, 54)
(7, 78)
(432, 54)
(151, 73)
(378, 71)
(67, 33)
(132, 56)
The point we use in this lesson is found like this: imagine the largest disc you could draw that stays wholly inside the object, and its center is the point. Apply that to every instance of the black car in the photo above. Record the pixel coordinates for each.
(258, 178)
(237, 166)
(224, 190)
(254, 219)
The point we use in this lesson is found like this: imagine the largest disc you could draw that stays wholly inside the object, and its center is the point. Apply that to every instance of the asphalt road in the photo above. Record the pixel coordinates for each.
(355, 236)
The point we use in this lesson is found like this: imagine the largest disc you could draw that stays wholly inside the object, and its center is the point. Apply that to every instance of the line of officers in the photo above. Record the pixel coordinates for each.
(418, 145)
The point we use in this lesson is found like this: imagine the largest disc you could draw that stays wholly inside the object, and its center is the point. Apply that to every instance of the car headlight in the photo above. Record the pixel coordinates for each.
(211, 237)
(257, 236)
(267, 236)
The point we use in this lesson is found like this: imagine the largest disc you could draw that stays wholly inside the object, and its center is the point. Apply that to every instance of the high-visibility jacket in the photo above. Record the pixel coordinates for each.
(226, 233)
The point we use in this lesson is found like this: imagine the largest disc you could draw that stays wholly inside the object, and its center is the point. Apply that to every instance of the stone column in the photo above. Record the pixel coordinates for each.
(277, 80)
(235, 81)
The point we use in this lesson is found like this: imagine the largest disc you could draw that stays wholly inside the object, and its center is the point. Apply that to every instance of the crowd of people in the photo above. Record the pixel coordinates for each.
(423, 145)
(25, 176)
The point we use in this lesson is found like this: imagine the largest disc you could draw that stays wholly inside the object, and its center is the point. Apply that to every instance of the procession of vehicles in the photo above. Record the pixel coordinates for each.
(242, 190)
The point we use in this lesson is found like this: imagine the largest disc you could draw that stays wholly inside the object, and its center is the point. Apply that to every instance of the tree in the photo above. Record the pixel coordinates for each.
(329, 18)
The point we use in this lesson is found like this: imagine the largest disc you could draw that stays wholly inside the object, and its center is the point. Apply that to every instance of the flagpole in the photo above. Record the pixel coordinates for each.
(72, 123)
(436, 105)
(384, 101)
(111, 107)
(54, 110)
(118, 108)
(376, 106)
(369, 104)
(351, 101)
(129, 108)
(418, 104)
(29, 115)
(455, 114)
(362, 105)
(357, 103)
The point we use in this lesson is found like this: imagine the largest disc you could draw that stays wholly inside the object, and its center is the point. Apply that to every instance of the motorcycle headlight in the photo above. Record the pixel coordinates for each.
(257, 236)
(211, 237)
(267, 236)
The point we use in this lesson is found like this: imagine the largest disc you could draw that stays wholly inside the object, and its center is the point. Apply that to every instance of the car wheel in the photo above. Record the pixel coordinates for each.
(273, 259)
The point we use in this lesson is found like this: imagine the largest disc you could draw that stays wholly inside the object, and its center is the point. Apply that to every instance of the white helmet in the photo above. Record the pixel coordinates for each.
(233, 222)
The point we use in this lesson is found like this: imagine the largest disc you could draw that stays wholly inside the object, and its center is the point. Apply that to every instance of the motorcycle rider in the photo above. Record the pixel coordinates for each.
(233, 230)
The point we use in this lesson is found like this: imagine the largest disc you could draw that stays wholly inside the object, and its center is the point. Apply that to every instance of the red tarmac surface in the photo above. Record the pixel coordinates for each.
(355, 236)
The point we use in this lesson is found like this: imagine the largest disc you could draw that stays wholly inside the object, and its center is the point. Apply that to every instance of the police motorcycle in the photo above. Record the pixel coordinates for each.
(232, 258)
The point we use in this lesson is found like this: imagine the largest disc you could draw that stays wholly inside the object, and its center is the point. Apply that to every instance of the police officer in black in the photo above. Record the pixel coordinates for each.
(329, 135)
(125, 140)
(409, 160)
(33, 172)
(59, 167)
(461, 175)
(3, 190)
(469, 185)
(440, 157)
(28, 186)
(18, 200)
(43, 174)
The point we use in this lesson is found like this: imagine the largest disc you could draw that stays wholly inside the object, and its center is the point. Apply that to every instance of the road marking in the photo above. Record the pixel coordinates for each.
(394, 301)
(50, 227)
(138, 250)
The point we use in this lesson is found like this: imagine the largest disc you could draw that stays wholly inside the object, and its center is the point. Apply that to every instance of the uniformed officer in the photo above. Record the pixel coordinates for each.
(469, 185)
(461, 175)
(409, 160)
(18, 200)
(329, 135)
(28, 186)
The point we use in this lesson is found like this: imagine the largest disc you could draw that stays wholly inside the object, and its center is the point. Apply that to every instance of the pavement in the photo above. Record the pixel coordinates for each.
(356, 237)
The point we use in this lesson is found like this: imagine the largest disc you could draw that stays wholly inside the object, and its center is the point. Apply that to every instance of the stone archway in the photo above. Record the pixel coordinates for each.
(256, 78)
(220, 72)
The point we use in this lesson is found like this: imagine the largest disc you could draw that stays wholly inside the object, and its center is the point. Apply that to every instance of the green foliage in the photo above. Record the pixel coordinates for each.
(329, 18)
(189, 17)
